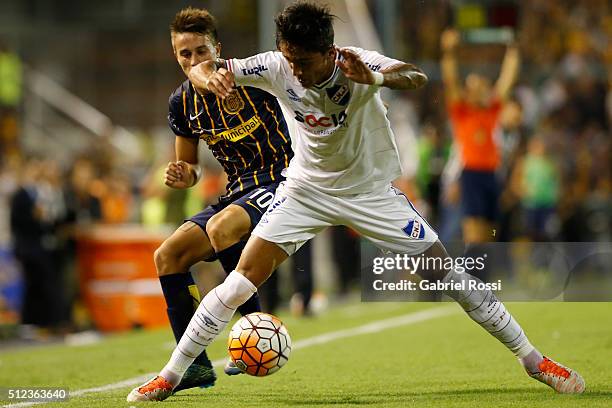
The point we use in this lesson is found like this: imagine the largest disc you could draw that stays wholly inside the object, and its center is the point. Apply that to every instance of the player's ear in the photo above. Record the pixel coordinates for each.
(218, 49)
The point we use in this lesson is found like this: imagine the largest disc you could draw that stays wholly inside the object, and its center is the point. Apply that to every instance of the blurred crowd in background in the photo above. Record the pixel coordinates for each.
(553, 136)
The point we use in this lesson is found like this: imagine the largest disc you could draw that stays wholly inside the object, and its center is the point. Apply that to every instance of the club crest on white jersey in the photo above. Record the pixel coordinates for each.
(339, 94)
(414, 229)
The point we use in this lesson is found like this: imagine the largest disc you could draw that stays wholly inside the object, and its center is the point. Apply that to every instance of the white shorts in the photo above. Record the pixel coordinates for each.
(389, 220)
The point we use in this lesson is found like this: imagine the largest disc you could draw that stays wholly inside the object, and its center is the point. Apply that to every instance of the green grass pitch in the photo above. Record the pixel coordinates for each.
(445, 361)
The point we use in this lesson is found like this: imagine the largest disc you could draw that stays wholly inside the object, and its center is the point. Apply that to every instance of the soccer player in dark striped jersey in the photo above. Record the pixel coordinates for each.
(247, 134)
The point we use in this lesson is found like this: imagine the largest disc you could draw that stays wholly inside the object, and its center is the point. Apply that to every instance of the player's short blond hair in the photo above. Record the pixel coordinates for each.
(195, 20)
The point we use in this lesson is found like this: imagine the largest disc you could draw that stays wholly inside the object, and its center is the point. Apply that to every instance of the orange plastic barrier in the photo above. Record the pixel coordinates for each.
(118, 281)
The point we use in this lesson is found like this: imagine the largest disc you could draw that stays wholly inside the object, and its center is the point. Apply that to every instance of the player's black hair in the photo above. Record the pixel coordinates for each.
(195, 20)
(307, 26)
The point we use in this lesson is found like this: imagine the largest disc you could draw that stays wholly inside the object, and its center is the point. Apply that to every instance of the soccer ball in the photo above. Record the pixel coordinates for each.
(259, 344)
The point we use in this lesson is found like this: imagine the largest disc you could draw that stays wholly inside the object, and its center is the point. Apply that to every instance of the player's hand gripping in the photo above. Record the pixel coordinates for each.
(178, 175)
(221, 82)
(354, 68)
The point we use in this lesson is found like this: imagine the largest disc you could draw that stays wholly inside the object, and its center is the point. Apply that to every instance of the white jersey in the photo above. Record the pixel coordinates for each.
(344, 144)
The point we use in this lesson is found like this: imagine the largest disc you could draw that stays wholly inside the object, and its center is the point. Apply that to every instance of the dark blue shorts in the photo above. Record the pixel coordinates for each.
(255, 203)
(479, 194)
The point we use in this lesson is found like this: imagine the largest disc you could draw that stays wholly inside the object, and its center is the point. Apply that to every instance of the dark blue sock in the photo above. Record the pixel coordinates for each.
(229, 258)
(182, 299)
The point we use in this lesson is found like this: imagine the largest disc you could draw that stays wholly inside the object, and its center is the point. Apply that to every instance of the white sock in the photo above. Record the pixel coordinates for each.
(210, 318)
(485, 309)
(532, 361)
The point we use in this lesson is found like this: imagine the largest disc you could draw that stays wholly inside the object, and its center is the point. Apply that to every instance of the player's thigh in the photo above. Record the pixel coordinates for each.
(256, 203)
(186, 246)
(295, 217)
(259, 259)
(391, 222)
(233, 222)
(190, 240)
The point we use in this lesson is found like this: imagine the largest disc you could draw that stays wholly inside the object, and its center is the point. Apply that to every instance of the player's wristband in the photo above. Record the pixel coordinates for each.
(379, 78)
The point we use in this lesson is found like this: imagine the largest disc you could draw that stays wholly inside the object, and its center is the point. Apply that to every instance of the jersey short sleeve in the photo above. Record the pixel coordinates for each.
(176, 115)
(374, 60)
(259, 70)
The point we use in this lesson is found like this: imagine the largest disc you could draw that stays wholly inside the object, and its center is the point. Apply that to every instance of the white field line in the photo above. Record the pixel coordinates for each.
(375, 327)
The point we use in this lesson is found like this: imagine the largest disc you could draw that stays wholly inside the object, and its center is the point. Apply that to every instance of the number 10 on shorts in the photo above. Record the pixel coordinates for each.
(264, 198)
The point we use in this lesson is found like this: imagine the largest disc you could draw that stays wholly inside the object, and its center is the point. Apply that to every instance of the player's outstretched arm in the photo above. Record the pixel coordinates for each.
(185, 171)
(450, 71)
(509, 72)
(402, 76)
(214, 77)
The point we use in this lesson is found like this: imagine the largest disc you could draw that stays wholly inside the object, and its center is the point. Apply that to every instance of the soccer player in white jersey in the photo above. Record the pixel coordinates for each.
(345, 159)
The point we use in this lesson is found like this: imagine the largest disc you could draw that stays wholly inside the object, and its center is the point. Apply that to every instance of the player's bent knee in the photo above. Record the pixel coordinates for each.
(169, 260)
(162, 262)
(256, 274)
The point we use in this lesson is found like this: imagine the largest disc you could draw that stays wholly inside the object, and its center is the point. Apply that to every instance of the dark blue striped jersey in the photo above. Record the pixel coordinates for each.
(246, 133)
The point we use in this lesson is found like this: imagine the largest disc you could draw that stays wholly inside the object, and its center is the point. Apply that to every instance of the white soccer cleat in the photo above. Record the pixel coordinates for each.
(156, 389)
(231, 368)
(562, 379)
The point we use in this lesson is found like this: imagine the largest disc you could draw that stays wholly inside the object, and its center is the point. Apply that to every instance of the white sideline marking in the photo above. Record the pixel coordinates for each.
(374, 327)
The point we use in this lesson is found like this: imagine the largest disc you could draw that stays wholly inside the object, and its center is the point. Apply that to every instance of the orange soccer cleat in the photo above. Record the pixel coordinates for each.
(156, 389)
(562, 379)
